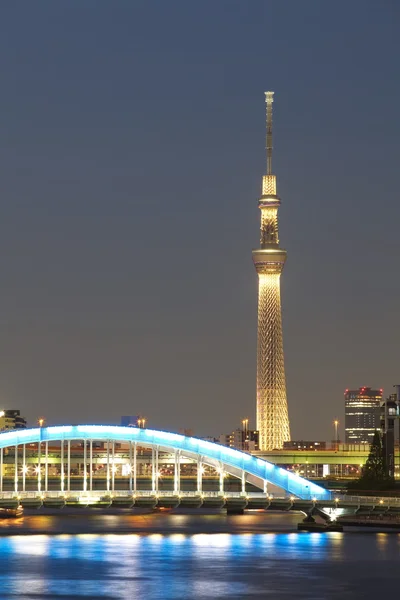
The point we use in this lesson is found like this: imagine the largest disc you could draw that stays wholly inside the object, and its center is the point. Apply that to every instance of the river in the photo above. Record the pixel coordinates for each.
(191, 556)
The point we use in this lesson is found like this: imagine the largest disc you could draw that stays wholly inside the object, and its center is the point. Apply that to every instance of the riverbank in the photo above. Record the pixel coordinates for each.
(121, 522)
(87, 521)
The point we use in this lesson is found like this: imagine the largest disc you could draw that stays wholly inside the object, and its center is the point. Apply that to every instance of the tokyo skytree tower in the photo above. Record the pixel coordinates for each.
(269, 260)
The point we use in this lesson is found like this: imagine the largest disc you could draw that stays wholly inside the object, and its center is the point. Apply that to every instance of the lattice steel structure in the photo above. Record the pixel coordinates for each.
(269, 260)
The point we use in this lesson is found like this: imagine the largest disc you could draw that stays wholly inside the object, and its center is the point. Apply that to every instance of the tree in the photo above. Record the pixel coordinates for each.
(374, 475)
(375, 468)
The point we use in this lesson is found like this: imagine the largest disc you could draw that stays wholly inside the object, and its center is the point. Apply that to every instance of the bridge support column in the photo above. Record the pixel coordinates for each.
(84, 466)
(221, 479)
(108, 465)
(199, 476)
(134, 467)
(91, 466)
(1, 469)
(62, 466)
(113, 467)
(23, 466)
(16, 469)
(69, 466)
(46, 467)
(153, 471)
(243, 482)
(39, 473)
(265, 486)
(156, 473)
(130, 467)
(177, 473)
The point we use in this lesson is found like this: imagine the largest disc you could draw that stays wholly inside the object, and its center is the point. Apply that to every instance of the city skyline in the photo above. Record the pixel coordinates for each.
(131, 152)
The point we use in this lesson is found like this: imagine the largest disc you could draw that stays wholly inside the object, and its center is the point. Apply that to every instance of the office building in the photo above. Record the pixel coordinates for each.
(133, 421)
(129, 421)
(241, 439)
(362, 414)
(11, 419)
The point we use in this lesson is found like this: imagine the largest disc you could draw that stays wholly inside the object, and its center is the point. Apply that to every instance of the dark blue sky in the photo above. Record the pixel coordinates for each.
(131, 158)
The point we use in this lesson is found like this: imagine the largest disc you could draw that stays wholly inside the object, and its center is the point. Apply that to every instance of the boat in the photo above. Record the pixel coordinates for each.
(11, 513)
(319, 527)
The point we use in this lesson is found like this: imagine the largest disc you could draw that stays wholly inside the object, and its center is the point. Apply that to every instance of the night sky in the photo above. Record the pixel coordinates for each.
(131, 159)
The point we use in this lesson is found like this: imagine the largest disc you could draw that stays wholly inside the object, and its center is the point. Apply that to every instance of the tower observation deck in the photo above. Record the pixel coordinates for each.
(269, 260)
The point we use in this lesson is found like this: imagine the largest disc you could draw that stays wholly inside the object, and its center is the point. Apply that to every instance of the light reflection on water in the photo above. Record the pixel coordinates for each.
(199, 566)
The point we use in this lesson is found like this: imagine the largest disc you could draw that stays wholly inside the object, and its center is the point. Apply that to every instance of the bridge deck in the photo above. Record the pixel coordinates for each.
(339, 506)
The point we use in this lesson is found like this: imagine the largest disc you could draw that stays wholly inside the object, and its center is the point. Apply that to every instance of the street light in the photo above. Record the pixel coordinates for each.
(245, 434)
(336, 425)
(41, 422)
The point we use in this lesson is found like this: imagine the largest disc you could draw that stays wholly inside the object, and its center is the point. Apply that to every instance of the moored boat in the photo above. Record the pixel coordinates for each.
(11, 513)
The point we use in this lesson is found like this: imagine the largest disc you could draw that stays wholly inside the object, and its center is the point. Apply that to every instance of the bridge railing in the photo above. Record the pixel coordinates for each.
(393, 500)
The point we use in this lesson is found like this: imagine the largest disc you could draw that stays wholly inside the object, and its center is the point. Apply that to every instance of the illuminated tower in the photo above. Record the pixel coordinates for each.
(269, 260)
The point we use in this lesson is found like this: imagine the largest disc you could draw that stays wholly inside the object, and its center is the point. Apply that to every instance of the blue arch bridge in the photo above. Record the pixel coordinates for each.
(104, 465)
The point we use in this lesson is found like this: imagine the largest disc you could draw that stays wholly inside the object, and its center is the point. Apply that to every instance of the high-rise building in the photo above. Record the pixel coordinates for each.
(390, 430)
(130, 421)
(362, 414)
(245, 440)
(269, 260)
(133, 421)
(11, 419)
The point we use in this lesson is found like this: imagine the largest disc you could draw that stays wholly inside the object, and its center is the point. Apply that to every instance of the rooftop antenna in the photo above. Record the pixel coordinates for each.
(269, 98)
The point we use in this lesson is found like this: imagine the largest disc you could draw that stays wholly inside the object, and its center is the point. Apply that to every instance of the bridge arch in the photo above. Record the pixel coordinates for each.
(228, 460)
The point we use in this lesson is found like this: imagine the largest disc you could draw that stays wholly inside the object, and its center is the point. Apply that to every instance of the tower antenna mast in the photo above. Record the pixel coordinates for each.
(269, 98)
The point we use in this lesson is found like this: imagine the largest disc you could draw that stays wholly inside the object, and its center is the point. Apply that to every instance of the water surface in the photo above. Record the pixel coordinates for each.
(196, 566)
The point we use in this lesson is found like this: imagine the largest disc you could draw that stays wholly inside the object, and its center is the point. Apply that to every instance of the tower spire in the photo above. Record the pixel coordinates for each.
(269, 260)
(269, 98)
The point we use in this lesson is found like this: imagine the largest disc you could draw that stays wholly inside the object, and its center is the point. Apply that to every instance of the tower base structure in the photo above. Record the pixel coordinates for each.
(272, 410)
